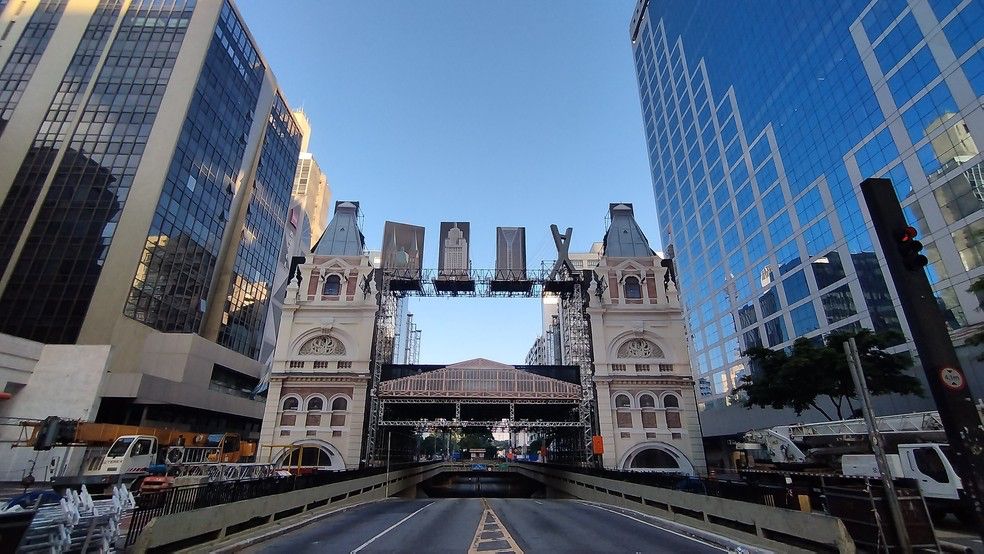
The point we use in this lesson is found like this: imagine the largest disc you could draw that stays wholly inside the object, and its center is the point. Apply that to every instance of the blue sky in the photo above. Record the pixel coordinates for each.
(511, 113)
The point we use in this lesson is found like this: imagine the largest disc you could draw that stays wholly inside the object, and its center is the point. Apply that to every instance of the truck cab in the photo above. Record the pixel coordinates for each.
(129, 454)
(126, 462)
(927, 463)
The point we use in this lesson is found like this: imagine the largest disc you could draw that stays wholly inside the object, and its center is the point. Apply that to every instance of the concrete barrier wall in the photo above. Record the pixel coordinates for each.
(207, 525)
(774, 528)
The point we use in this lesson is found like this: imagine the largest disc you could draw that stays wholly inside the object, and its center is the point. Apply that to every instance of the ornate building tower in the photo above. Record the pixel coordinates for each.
(316, 403)
(647, 407)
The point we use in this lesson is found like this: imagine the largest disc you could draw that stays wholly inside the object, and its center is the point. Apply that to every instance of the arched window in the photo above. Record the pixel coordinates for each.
(672, 405)
(623, 417)
(315, 404)
(338, 407)
(289, 415)
(648, 404)
(632, 287)
(333, 286)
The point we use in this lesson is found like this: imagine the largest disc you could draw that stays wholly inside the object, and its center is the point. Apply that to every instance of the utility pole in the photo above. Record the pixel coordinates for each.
(947, 382)
(861, 386)
(389, 436)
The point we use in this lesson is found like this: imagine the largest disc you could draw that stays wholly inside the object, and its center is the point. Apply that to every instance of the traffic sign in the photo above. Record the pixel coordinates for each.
(952, 378)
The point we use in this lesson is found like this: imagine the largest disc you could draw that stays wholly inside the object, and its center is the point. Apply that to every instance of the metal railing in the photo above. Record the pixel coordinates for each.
(183, 499)
(857, 501)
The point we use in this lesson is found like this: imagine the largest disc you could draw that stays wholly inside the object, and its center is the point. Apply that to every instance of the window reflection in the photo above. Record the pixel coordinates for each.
(962, 195)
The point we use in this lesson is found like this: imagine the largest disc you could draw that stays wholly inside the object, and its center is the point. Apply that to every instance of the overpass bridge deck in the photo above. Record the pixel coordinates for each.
(712, 519)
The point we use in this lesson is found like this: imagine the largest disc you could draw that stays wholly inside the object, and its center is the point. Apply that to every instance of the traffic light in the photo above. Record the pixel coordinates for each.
(909, 247)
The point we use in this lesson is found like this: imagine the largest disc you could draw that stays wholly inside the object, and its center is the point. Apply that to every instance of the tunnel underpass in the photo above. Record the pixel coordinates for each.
(482, 484)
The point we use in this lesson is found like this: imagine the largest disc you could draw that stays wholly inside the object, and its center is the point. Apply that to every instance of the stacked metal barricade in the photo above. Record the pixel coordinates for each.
(78, 523)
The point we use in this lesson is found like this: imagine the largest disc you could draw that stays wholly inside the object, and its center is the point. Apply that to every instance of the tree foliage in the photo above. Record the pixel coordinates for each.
(476, 439)
(810, 371)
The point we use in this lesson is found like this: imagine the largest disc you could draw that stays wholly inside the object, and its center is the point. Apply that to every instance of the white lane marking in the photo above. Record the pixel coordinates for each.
(627, 516)
(387, 530)
(538, 502)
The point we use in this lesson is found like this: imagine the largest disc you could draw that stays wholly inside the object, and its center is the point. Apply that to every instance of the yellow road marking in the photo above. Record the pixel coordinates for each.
(491, 530)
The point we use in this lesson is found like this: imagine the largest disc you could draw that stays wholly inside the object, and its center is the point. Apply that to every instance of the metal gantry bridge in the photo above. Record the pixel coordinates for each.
(563, 280)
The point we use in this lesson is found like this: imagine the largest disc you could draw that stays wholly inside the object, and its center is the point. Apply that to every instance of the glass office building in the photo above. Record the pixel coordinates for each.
(761, 120)
(147, 158)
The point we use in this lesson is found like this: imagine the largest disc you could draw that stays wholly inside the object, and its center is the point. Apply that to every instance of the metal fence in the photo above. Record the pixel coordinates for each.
(857, 501)
(183, 499)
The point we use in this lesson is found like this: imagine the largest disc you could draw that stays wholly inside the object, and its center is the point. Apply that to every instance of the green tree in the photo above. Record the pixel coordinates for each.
(429, 446)
(978, 337)
(476, 439)
(811, 370)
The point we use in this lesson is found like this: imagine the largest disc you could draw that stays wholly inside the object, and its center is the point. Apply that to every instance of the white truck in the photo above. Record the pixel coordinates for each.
(915, 444)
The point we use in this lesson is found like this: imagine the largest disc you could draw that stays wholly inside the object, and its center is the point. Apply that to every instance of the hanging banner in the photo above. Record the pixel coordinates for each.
(453, 257)
(403, 248)
(510, 253)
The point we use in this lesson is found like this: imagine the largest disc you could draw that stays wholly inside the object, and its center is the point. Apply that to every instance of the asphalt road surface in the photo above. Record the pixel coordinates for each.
(452, 525)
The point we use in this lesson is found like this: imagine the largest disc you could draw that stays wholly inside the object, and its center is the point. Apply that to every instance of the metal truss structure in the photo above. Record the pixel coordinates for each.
(428, 425)
(576, 346)
(563, 280)
(476, 283)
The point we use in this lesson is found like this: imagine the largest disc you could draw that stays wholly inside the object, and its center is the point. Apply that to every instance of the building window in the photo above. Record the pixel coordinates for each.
(321, 365)
(672, 405)
(969, 244)
(344, 365)
(289, 406)
(296, 364)
(642, 367)
(623, 418)
(618, 367)
(314, 407)
(338, 411)
(333, 286)
(647, 403)
(632, 287)
(665, 367)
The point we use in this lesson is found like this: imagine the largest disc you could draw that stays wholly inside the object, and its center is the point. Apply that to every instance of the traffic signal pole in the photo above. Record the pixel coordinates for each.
(947, 382)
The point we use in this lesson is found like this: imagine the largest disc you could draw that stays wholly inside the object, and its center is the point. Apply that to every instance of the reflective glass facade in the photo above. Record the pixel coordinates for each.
(97, 155)
(171, 286)
(24, 58)
(762, 118)
(247, 303)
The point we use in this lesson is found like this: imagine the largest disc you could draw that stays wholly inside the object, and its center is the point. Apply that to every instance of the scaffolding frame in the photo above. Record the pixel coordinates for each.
(563, 280)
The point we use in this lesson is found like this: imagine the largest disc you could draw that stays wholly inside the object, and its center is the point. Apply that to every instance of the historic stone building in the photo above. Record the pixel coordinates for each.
(647, 407)
(316, 402)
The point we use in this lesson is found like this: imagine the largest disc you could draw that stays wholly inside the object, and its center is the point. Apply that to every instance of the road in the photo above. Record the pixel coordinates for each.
(452, 525)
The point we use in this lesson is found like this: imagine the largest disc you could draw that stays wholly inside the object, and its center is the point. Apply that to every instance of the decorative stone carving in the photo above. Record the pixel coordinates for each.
(323, 345)
(639, 348)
